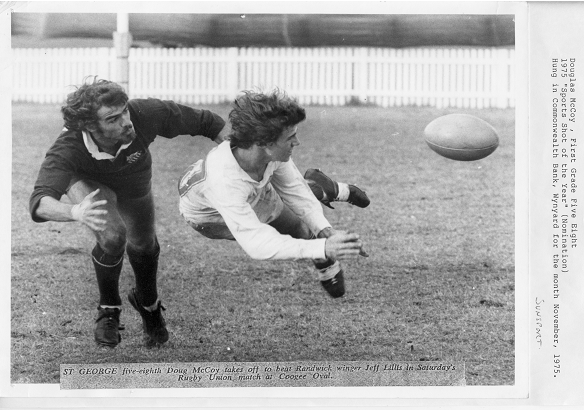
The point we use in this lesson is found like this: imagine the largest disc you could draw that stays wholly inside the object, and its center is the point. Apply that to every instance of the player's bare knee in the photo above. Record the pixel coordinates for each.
(79, 189)
(109, 196)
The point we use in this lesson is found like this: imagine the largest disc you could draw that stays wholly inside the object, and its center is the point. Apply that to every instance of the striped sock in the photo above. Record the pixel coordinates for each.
(329, 272)
(119, 307)
(343, 192)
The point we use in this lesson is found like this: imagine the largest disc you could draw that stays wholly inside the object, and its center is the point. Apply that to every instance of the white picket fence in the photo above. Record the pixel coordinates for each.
(439, 77)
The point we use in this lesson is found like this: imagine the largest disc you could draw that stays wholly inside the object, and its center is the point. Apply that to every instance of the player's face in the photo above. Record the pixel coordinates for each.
(282, 148)
(114, 127)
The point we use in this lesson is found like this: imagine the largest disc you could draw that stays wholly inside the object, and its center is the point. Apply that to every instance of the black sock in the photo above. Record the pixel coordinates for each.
(145, 268)
(107, 269)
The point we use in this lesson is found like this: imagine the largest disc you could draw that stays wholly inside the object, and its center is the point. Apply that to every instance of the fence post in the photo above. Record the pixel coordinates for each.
(360, 74)
(122, 43)
(232, 86)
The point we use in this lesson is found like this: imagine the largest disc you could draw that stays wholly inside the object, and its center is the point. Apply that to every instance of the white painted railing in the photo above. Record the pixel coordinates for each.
(439, 77)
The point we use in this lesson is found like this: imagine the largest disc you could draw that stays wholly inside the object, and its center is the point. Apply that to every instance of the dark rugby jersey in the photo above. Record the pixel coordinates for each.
(129, 174)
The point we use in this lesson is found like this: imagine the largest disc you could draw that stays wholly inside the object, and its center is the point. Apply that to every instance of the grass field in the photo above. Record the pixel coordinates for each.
(438, 285)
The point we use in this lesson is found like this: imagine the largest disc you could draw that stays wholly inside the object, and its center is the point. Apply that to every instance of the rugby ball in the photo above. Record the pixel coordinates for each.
(461, 137)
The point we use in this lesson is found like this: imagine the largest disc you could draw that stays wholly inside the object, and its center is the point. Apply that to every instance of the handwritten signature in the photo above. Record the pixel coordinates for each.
(538, 322)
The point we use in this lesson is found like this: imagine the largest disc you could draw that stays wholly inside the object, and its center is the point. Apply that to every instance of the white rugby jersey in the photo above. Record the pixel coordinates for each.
(217, 186)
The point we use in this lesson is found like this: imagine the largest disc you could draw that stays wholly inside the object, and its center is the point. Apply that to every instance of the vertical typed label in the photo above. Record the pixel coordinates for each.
(565, 192)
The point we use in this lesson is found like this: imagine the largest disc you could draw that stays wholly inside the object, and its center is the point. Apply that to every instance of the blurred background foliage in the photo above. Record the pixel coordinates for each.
(267, 30)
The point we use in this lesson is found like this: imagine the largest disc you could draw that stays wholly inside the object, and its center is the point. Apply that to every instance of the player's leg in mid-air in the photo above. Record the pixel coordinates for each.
(326, 190)
(329, 271)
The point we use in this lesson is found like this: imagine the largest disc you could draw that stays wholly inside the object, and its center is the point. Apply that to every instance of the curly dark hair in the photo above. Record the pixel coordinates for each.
(81, 106)
(259, 118)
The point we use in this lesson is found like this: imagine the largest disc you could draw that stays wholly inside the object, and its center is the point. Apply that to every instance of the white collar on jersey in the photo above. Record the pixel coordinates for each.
(95, 151)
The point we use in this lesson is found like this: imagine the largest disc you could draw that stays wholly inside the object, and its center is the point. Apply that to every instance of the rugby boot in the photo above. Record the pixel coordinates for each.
(323, 187)
(153, 323)
(326, 190)
(357, 197)
(107, 327)
(335, 286)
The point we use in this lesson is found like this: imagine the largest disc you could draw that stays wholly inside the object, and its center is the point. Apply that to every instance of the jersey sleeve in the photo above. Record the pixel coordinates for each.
(168, 119)
(53, 180)
(296, 194)
(259, 240)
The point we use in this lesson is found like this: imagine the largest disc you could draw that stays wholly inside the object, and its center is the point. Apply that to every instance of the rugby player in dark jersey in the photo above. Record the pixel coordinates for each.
(102, 165)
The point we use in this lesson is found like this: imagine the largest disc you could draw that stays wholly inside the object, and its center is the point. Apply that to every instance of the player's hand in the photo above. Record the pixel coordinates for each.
(87, 212)
(342, 245)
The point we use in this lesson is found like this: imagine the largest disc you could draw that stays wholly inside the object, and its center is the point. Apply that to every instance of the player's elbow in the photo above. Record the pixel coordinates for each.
(36, 208)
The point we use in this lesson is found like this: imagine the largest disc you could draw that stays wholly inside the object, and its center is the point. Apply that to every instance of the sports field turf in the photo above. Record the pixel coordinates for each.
(438, 285)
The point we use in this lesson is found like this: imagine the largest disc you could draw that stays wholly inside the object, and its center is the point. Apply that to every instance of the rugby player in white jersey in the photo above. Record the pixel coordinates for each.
(248, 189)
